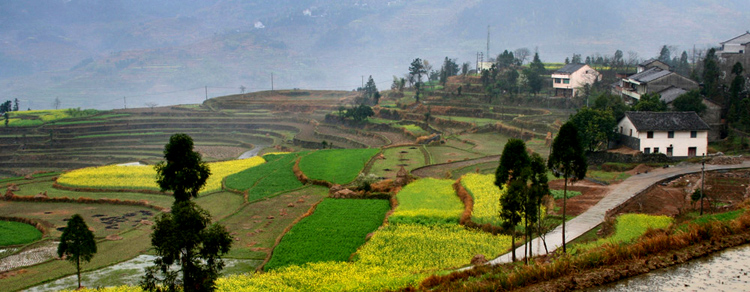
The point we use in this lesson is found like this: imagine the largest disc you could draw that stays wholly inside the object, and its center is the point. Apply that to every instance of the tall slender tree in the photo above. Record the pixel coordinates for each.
(416, 70)
(77, 243)
(568, 160)
(537, 190)
(185, 236)
(513, 172)
(711, 74)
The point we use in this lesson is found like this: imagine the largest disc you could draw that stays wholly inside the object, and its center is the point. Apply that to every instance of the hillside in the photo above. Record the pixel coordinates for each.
(92, 53)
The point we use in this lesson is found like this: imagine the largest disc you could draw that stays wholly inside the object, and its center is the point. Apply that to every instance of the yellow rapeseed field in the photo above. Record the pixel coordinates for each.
(486, 197)
(143, 177)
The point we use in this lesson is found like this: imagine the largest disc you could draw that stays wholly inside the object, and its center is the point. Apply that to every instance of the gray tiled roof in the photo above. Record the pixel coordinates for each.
(649, 75)
(671, 93)
(666, 121)
(568, 69)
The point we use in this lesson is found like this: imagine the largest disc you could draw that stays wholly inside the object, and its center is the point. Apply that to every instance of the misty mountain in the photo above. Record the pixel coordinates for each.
(115, 53)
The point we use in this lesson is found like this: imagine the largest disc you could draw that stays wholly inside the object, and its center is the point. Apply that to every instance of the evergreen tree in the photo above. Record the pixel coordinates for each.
(567, 159)
(369, 91)
(690, 101)
(711, 73)
(513, 172)
(534, 75)
(665, 55)
(185, 235)
(77, 244)
(736, 96)
(594, 127)
(416, 70)
(15, 105)
(650, 103)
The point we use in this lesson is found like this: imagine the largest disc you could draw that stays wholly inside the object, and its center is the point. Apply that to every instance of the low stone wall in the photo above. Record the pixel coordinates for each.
(598, 158)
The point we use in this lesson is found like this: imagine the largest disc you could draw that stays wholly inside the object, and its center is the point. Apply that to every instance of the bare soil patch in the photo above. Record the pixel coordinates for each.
(591, 193)
(673, 198)
(220, 152)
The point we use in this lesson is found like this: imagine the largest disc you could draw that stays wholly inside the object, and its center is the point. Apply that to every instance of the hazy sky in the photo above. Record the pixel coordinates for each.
(99, 53)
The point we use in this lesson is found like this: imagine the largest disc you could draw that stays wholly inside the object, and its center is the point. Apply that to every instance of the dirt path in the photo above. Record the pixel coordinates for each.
(438, 170)
(615, 196)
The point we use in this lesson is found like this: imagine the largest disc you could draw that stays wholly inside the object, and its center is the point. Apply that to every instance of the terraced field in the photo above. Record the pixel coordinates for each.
(261, 204)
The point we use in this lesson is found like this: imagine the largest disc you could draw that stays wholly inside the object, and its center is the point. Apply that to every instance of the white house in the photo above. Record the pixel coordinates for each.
(736, 45)
(570, 77)
(679, 134)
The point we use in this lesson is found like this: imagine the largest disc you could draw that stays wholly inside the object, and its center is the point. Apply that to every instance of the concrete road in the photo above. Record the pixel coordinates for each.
(617, 195)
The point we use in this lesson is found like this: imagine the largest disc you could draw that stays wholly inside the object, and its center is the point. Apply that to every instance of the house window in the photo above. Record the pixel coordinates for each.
(631, 133)
(557, 80)
(669, 151)
(620, 130)
(670, 134)
(656, 149)
(693, 134)
(647, 150)
(650, 134)
(566, 81)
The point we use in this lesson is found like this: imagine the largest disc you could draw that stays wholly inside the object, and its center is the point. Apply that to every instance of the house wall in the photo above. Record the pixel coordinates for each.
(680, 143)
(673, 79)
(577, 79)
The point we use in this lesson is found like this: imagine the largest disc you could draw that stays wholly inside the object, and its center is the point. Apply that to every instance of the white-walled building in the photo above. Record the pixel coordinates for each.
(569, 78)
(679, 134)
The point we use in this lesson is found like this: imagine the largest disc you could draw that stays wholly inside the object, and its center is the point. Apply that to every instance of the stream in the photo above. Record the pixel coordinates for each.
(129, 273)
(722, 271)
(253, 152)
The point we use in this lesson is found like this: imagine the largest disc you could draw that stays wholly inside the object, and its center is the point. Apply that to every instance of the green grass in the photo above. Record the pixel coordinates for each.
(274, 176)
(695, 218)
(39, 117)
(396, 157)
(428, 201)
(13, 233)
(558, 194)
(627, 228)
(607, 176)
(339, 166)
(414, 129)
(443, 154)
(381, 121)
(120, 134)
(479, 122)
(335, 231)
(486, 143)
(258, 225)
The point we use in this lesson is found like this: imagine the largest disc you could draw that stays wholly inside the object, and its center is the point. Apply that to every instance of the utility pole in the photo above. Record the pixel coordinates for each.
(125, 101)
(703, 179)
(206, 92)
(488, 41)
(271, 81)
(363, 82)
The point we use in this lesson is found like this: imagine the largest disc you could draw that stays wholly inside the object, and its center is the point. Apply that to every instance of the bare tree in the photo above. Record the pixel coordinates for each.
(151, 105)
(242, 89)
(56, 103)
(522, 54)
(632, 60)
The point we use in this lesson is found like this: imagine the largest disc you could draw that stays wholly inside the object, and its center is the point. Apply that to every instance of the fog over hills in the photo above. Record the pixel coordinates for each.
(111, 53)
